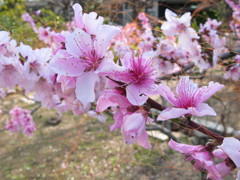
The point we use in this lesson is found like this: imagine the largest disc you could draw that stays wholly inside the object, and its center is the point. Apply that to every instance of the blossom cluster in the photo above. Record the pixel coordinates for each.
(235, 23)
(20, 120)
(203, 157)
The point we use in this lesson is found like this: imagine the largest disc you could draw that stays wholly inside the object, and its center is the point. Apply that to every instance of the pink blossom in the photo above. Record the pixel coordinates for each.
(4, 37)
(178, 25)
(90, 23)
(119, 104)
(147, 35)
(139, 75)
(188, 99)
(20, 120)
(234, 71)
(83, 57)
(231, 146)
(234, 24)
(27, 18)
(201, 157)
(133, 129)
(45, 34)
(4, 40)
(210, 35)
(10, 72)
(143, 17)
(129, 118)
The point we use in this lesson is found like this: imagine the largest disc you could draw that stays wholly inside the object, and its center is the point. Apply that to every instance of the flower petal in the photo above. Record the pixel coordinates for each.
(219, 153)
(105, 101)
(65, 64)
(135, 96)
(170, 15)
(184, 148)
(78, 15)
(92, 22)
(167, 94)
(103, 38)
(171, 113)
(231, 146)
(79, 43)
(118, 118)
(85, 88)
(143, 140)
(202, 110)
(210, 90)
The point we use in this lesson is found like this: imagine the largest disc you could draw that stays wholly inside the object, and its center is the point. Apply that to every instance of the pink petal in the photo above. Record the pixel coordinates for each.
(126, 59)
(219, 153)
(135, 95)
(202, 110)
(134, 121)
(104, 102)
(171, 113)
(92, 22)
(118, 118)
(184, 148)
(169, 28)
(103, 38)
(133, 127)
(186, 19)
(78, 15)
(65, 64)
(167, 94)
(79, 43)
(4, 37)
(223, 169)
(85, 88)
(210, 90)
(213, 172)
(231, 146)
(143, 140)
(108, 67)
(170, 15)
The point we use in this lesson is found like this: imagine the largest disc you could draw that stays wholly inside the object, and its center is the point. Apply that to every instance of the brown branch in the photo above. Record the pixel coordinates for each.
(155, 105)
(229, 54)
(204, 130)
(190, 124)
(163, 130)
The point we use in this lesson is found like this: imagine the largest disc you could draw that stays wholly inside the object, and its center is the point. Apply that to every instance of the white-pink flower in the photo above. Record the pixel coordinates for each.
(198, 154)
(178, 25)
(188, 99)
(86, 52)
(231, 146)
(21, 120)
(129, 118)
(139, 74)
(133, 129)
(27, 18)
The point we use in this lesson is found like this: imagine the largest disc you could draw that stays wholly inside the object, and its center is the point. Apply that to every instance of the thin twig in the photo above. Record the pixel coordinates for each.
(162, 129)
(35, 109)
